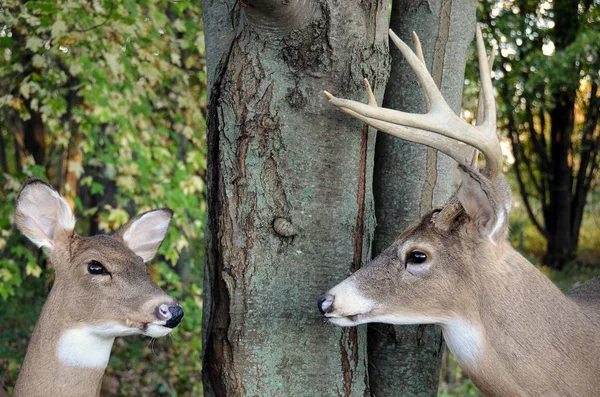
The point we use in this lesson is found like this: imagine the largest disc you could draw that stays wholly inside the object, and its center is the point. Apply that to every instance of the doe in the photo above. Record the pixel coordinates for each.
(101, 290)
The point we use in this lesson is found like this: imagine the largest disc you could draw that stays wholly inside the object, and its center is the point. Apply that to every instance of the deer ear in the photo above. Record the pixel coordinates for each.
(42, 214)
(482, 203)
(145, 233)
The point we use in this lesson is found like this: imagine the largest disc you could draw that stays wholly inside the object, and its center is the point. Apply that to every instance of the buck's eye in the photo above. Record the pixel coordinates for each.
(95, 267)
(416, 258)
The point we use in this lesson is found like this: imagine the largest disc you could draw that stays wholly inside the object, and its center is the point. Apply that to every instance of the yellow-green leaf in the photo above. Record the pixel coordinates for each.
(58, 28)
(34, 43)
(38, 61)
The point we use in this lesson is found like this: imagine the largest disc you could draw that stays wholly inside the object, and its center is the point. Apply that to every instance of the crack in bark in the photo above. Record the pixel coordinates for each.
(218, 348)
(345, 363)
(360, 200)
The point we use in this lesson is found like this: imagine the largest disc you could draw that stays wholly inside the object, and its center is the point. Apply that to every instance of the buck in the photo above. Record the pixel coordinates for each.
(101, 291)
(510, 328)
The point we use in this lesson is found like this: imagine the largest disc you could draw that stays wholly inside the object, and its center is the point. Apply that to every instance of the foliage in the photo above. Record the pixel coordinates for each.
(105, 101)
(547, 83)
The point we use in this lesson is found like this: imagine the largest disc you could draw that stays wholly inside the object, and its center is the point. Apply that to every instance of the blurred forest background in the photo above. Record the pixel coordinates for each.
(105, 100)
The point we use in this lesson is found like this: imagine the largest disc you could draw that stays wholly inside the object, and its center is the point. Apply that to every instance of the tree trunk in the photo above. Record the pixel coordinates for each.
(3, 160)
(411, 179)
(29, 137)
(558, 215)
(561, 246)
(287, 178)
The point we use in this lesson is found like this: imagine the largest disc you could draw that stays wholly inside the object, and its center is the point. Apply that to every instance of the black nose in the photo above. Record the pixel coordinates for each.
(324, 303)
(176, 316)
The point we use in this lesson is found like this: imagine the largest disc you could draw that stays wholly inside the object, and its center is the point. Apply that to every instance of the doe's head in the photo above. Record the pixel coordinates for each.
(101, 281)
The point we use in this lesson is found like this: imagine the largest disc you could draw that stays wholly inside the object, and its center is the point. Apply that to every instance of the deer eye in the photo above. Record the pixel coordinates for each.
(95, 267)
(416, 258)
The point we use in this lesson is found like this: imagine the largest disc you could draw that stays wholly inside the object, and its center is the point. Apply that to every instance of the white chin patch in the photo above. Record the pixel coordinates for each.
(343, 321)
(156, 330)
(90, 346)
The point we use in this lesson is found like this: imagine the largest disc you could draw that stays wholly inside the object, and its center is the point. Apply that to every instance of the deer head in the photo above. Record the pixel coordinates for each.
(509, 327)
(102, 288)
(441, 256)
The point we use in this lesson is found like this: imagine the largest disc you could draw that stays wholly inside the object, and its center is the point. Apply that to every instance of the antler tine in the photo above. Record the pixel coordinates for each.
(419, 52)
(439, 128)
(486, 98)
(481, 114)
(418, 65)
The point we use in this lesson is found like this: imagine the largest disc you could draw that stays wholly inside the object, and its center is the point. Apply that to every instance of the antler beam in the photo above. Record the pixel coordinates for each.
(439, 128)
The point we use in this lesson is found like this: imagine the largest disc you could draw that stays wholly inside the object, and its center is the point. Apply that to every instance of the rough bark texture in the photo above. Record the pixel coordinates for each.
(412, 179)
(290, 209)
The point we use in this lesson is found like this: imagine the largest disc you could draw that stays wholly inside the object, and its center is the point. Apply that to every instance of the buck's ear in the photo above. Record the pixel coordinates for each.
(42, 214)
(483, 204)
(145, 233)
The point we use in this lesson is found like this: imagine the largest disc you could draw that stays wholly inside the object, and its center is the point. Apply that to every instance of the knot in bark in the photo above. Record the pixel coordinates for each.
(284, 228)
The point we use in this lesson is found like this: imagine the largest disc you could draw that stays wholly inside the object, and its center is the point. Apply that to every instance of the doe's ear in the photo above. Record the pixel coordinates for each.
(42, 214)
(484, 204)
(145, 233)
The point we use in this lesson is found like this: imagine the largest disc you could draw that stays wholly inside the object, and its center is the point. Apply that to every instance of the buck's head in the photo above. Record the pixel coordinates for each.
(430, 274)
(102, 283)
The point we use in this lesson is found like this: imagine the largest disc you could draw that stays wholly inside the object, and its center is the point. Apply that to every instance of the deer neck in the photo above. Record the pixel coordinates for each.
(63, 358)
(526, 337)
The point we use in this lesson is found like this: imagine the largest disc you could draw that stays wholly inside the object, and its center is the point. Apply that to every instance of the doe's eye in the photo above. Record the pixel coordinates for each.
(95, 267)
(416, 257)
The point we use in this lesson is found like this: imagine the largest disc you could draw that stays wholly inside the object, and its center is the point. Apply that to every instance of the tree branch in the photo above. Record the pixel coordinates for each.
(514, 139)
(278, 16)
(107, 18)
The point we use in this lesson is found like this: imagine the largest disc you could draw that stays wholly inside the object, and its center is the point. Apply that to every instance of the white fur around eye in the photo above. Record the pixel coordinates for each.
(418, 269)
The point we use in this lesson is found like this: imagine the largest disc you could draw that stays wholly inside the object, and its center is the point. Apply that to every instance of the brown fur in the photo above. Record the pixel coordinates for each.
(127, 297)
(536, 340)
(511, 329)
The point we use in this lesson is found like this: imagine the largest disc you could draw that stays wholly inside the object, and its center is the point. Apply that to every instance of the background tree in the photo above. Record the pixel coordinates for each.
(104, 100)
(290, 209)
(412, 179)
(547, 83)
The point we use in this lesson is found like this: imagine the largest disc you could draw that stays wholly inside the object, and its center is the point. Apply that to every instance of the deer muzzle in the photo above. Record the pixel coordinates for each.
(345, 305)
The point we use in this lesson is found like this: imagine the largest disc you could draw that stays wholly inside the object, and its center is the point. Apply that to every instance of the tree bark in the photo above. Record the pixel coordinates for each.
(411, 179)
(287, 177)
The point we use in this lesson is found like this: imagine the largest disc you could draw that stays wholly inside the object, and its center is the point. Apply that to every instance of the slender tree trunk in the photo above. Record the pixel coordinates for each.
(558, 216)
(411, 179)
(288, 177)
(29, 137)
(3, 160)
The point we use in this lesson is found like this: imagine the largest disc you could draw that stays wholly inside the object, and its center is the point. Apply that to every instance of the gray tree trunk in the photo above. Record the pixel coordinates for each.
(290, 209)
(412, 179)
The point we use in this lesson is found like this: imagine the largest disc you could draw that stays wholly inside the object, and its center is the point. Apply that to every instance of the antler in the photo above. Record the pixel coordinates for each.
(439, 128)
